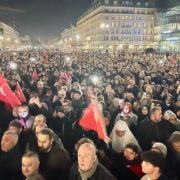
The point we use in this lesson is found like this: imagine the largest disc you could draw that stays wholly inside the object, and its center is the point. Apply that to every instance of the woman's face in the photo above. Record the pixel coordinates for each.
(120, 133)
(144, 110)
(129, 154)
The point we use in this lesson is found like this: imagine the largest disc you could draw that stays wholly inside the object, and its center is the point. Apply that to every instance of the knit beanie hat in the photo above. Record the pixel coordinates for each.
(161, 147)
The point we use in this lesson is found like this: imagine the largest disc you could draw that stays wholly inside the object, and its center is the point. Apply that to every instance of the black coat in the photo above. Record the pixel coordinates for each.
(101, 173)
(148, 132)
(10, 164)
(55, 164)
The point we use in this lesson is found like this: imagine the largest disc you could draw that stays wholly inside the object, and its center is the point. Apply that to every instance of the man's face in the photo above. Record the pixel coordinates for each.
(23, 111)
(29, 165)
(44, 142)
(86, 157)
(176, 146)
(40, 85)
(6, 142)
(158, 115)
(39, 120)
(76, 96)
(129, 154)
(147, 167)
(65, 106)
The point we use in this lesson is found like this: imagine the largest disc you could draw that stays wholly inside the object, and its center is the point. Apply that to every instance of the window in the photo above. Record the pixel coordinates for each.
(106, 2)
(115, 3)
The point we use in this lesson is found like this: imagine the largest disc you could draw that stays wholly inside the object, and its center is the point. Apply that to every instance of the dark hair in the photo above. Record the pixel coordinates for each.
(107, 114)
(153, 110)
(47, 131)
(134, 147)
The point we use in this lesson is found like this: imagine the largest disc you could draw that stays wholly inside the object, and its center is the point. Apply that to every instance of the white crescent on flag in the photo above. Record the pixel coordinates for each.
(2, 91)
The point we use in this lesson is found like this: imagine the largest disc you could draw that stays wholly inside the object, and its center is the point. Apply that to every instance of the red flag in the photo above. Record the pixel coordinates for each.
(7, 96)
(172, 60)
(93, 120)
(19, 93)
(46, 59)
(35, 75)
(2, 79)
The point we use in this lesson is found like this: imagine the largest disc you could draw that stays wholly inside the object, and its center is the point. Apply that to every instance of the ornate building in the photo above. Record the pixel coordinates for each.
(9, 38)
(116, 25)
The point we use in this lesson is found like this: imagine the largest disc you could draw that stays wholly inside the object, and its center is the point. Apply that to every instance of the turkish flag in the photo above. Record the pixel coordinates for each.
(35, 75)
(92, 119)
(2, 79)
(7, 96)
(19, 93)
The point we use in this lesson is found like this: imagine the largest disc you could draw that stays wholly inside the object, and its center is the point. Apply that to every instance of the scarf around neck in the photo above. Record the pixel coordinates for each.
(86, 174)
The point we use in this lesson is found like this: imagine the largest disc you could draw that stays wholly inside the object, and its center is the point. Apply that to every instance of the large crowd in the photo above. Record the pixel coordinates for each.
(138, 95)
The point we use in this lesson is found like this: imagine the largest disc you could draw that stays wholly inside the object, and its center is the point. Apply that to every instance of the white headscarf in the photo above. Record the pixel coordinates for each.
(119, 143)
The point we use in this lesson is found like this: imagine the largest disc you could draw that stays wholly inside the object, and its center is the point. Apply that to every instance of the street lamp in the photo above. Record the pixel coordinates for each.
(78, 37)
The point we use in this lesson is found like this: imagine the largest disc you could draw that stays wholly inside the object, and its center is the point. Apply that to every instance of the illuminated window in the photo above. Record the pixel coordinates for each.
(107, 2)
(138, 3)
(115, 3)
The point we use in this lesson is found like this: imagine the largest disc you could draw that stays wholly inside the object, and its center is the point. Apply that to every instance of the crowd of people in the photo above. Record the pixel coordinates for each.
(138, 95)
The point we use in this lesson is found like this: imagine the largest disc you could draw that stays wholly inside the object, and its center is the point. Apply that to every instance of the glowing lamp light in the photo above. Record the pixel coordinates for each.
(68, 59)
(33, 59)
(161, 61)
(94, 79)
(13, 65)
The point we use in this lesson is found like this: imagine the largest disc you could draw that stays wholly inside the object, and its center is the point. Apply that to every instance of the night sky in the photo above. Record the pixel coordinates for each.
(45, 18)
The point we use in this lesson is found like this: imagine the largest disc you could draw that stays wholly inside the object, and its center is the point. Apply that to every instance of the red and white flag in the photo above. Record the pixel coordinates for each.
(7, 95)
(19, 93)
(92, 119)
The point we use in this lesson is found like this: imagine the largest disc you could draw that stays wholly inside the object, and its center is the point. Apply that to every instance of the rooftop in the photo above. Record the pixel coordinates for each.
(118, 3)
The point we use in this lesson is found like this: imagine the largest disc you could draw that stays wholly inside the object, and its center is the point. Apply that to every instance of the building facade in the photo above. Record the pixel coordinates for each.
(9, 38)
(70, 38)
(167, 30)
(117, 25)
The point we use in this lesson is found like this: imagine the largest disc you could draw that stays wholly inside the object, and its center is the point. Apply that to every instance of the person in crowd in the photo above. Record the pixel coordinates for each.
(143, 113)
(88, 166)
(172, 118)
(127, 165)
(10, 157)
(160, 130)
(30, 166)
(174, 156)
(128, 116)
(24, 116)
(153, 164)
(121, 136)
(122, 77)
(160, 147)
(54, 159)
